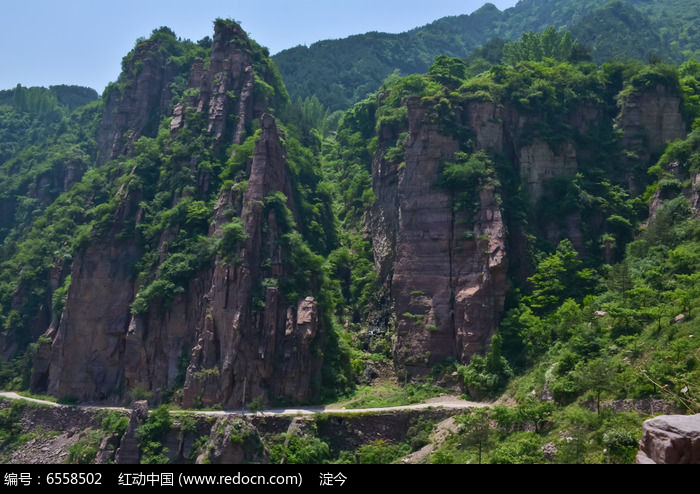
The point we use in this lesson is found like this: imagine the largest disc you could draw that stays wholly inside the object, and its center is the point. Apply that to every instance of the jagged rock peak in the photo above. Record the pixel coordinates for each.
(245, 351)
(229, 88)
(135, 104)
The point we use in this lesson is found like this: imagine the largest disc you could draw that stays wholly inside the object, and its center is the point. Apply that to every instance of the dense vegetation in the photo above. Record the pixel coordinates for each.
(612, 317)
(341, 72)
(613, 321)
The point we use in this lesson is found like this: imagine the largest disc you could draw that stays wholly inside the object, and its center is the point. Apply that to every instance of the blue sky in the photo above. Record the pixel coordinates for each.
(44, 42)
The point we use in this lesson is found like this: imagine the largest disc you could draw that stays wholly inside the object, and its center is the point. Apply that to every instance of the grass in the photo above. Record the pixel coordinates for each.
(579, 435)
(25, 402)
(27, 394)
(387, 393)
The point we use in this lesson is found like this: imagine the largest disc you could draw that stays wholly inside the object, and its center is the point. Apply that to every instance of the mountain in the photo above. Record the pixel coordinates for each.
(192, 192)
(340, 72)
(526, 229)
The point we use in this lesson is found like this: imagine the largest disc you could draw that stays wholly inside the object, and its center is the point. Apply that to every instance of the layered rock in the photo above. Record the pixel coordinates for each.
(244, 340)
(445, 271)
(648, 120)
(670, 439)
(243, 352)
(539, 164)
(136, 104)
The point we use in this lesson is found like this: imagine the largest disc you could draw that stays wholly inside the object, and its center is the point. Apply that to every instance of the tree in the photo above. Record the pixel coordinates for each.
(538, 46)
(598, 376)
(559, 276)
(256, 405)
(620, 280)
(535, 412)
(489, 374)
(448, 71)
(476, 431)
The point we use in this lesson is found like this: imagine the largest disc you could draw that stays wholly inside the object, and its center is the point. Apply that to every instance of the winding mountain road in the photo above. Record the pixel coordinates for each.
(441, 402)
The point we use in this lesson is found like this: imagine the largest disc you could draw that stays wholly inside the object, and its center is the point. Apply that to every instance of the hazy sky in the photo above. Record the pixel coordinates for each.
(44, 42)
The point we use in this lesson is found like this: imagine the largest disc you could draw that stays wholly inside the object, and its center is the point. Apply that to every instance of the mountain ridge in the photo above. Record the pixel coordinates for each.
(340, 72)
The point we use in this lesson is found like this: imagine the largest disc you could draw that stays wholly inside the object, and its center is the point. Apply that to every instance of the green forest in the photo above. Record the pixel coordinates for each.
(341, 72)
(592, 321)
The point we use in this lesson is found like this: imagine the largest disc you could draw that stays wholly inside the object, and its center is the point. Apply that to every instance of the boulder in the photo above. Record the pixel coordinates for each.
(670, 439)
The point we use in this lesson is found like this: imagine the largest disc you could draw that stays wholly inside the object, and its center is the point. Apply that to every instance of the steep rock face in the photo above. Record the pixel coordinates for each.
(230, 70)
(243, 352)
(243, 339)
(539, 163)
(444, 271)
(448, 287)
(695, 192)
(157, 346)
(134, 109)
(648, 120)
(88, 346)
(670, 439)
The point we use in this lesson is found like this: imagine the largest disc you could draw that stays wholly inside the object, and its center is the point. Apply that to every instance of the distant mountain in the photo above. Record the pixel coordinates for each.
(40, 99)
(340, 72)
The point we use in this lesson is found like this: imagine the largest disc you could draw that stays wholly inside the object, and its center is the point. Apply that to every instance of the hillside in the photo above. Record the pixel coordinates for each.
(524, 230)
(341, 72)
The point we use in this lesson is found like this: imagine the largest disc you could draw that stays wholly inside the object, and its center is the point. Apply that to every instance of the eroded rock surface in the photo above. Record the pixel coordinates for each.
(670, 439)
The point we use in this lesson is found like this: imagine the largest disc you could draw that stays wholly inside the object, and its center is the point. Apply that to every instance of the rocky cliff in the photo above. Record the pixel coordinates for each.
(444, 270)
(648, 119)
(202, 275)
(134, 106)
(242, 350)
(240, 338)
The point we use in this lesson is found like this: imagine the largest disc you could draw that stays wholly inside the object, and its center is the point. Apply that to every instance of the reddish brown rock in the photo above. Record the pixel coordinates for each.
(237, 349)
(447, 287)
(257, 353)
(129, 452)
(670, 439)
(86, 355)
(133, 110)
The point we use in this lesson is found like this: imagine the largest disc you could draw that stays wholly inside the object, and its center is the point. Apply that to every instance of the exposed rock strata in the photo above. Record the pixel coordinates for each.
(648, 120)
(448, 292)
(238, 350)
(444, 272)
(241, 352)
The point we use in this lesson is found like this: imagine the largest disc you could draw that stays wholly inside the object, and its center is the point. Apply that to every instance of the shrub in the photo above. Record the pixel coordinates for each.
(150, 435)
